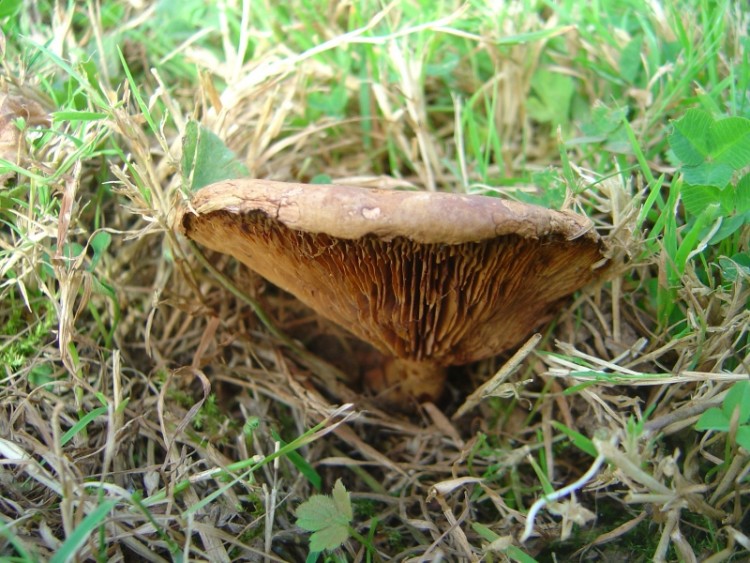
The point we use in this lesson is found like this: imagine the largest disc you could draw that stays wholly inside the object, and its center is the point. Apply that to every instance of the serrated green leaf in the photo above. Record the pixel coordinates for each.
(329, 538)
(328, 517)
(342, 500)
(713, 419)
(316, 513)
(206, 159)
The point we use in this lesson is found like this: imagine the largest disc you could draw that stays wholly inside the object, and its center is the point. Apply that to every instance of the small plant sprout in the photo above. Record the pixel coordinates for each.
(328, 518)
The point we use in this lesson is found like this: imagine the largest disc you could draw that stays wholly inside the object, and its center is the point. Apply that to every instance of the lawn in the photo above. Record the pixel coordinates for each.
(160, 401)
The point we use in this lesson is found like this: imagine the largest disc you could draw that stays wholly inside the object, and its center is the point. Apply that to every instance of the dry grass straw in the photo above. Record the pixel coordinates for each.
(193, 383)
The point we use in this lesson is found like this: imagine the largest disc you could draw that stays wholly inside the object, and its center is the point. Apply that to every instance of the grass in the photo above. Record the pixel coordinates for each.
(158, 407)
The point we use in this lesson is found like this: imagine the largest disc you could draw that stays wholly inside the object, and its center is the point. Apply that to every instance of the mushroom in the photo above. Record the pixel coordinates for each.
(429, 279)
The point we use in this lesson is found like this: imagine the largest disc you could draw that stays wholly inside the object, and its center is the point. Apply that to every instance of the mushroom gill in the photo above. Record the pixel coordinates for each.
(425, 303)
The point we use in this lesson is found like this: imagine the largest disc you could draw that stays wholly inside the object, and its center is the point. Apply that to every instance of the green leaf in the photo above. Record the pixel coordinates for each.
(41, 374)
(314, 513)
(742, 194)
(327, 517)
(512, 552)
(103, 288)
(484, 532)
(81, 424)
(743, 437)
(329, 538)
(516, 554)
(99, 244)
(730, 226)
(304, 466)
(528, 36)
(69, 549)
(696, 198)
(709, 174)
(331, 103)
(738, 397)
(689, 140)
(553, 94)
(692, 237)
(730, 142)
(578, 439)
(321, 179)
(603, 123)
(343, 501)
(9, 8)
(112, 14)
(709, 150)
(630, 60)
(734, 267)
(713, 419)
(11, 537)
(206, 159)
(542, 476)
(251, 425)
(72, 115)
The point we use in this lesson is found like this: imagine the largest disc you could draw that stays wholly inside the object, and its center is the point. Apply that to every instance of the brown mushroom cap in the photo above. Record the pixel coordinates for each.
(424, 277)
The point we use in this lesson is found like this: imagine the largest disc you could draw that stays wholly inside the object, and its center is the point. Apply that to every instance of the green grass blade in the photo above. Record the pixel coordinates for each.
(69, 549)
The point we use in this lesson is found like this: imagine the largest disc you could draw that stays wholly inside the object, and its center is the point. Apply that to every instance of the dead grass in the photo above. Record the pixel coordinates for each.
(134, 376)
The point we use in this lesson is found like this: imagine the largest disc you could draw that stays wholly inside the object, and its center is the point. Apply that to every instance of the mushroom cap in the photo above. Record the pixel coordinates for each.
(426, 277)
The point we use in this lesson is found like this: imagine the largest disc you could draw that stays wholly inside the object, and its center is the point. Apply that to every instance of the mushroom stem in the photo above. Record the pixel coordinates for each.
(401, 382)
